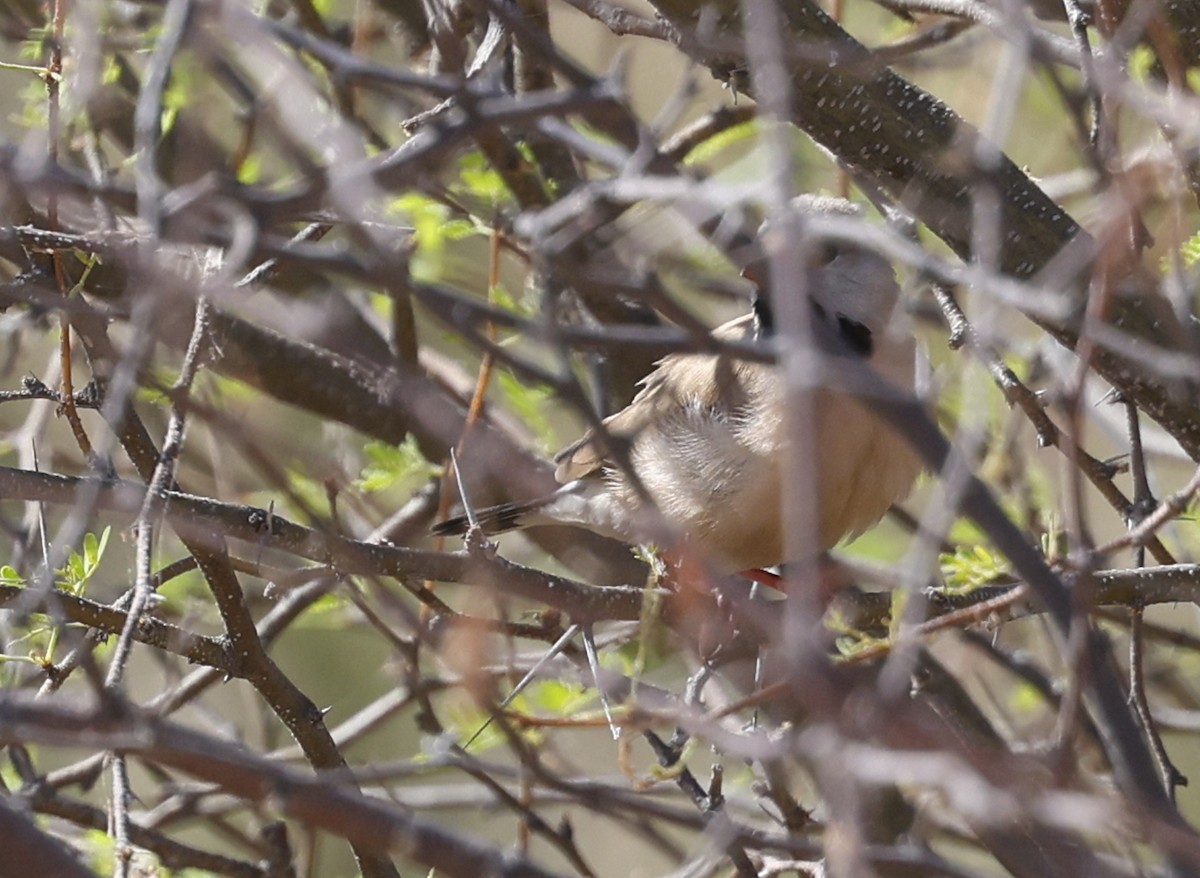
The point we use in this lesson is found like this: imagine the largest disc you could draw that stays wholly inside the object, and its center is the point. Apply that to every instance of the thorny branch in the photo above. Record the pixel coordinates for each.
(318, 285)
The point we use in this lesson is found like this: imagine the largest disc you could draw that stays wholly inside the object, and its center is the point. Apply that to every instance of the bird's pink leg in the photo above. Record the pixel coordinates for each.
(763, 577)
(831, 578)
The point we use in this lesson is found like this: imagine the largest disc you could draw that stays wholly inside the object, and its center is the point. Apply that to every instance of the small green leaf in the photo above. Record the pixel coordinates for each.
(388, 464)
(1141, 61)
(179, 593)
(250, 171)
(1189, 250)
(93, 551)
(708, 150)
(972, 566)
(900, 598)
(480, 180)
(470, 722)
(72, 573)
(28, 659)
(81, 567)
(324, 605)
(429, 218)
(1026, 698)
(501, 298)
(531, 404)
(100, 848)
(90, 547)
(559, 698)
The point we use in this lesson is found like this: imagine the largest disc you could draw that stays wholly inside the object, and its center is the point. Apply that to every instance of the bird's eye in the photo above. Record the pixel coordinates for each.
(823, 254)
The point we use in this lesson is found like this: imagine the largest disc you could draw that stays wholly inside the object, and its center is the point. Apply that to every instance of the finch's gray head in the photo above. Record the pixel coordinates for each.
(858, 284)
(844, 280)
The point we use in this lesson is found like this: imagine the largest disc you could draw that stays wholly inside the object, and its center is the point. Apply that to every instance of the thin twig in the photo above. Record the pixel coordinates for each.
(1143, 501)
(668, 757)
(153, 501)
(120, 829)
(53, 80)
(557, 647)
(1078, 21)
(1172, 778)
(621, 21)
(1098, 472)
(1142, 529)
(147, 127)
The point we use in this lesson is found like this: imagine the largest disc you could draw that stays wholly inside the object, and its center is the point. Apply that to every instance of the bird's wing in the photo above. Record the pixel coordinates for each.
(679, 380)
(588, 455)
(582, 458)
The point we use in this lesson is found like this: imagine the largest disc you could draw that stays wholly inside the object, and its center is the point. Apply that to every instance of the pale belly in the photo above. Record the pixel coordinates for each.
(723, 490)
(720, 488)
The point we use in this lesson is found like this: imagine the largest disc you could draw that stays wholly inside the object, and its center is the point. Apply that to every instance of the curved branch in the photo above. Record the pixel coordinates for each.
(208, 520)
(171, 853)
(214, 652)
(1169, 584)
(921, 152)
(371, 825)
(29, 851)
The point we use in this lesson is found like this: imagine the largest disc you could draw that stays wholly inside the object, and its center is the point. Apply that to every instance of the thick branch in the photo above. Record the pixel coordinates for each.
(1169, 584)
(204, 520)
(197, 648)
(29, 851)
(925, 155)
(370, 825)
(172, 854)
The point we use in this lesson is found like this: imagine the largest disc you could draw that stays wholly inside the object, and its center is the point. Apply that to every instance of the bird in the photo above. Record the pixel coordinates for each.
(706, 437)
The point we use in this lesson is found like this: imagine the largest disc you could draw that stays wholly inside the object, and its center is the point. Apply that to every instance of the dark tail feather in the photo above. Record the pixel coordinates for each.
(493, 520)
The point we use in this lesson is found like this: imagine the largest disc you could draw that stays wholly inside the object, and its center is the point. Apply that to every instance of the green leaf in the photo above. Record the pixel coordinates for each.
(469, 722)
(27, 659)
(1189, 252)
(558, 697)
(706, 151)
(181, 92)
(1141, 61)
(33, 47)
(99, 848)
(180, 593)
(80, 568)
(318, 610)
(388, 464)
(900, 597)
(972, 566)
(531, 404)
(9, 576)
(477, 178)
(501, 298)
(93, 550)
(251, 169)
(460, 229)
(429, 219)
(1025, 698)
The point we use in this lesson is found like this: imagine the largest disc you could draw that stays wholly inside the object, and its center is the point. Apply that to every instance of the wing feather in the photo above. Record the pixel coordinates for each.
(677, 380)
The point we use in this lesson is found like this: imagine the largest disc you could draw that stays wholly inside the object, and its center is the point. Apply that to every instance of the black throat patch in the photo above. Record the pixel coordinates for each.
(764, 315)
(855, 334)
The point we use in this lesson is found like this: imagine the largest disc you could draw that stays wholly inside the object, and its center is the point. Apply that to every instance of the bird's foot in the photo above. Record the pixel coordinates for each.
(825, 572)
(763, 577)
